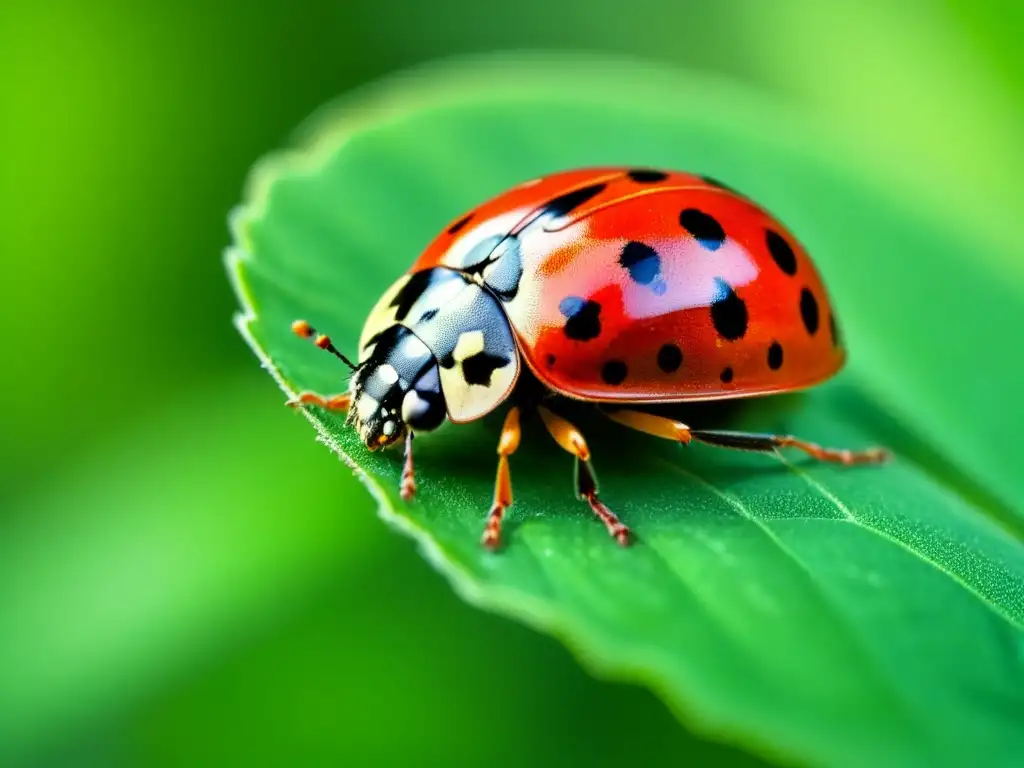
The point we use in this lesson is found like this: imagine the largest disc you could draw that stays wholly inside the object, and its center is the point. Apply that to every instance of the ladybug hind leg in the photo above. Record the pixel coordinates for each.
(663, 427)
(747, 441)
(571, 440)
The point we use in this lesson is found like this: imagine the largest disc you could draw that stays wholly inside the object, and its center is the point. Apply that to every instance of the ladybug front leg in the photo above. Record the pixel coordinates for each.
(570, 439)
(660, 426)
(507, 445)
(407, 487)
(339, 403)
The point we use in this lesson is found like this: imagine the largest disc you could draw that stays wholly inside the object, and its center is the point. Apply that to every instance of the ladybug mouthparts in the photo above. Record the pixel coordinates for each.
(379, 423)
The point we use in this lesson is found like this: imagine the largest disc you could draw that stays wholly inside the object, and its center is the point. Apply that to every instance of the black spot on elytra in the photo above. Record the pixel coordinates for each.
(642, 261)
(410, 292)
(726, 375)
(563, 204)
(583, 318)
(478, 368)
(448, 361)
(728, 312)
(646, 175)
(430, 314)
(704, 227)
(614, 372)
(781, 251)
(809, 311)
(550, 360)
(670, 357)
(454, 228)
(775, 356)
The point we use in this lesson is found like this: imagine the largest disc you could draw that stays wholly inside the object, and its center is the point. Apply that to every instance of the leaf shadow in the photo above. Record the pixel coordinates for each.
(620, 455)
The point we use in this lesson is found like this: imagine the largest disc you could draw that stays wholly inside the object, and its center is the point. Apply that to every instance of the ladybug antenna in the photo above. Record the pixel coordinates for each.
(307, 331)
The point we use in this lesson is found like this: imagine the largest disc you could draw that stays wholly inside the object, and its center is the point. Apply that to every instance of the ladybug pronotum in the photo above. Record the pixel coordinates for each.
(616, 286)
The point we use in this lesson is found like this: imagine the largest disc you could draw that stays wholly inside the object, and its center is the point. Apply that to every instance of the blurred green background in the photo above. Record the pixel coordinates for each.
(186, 577)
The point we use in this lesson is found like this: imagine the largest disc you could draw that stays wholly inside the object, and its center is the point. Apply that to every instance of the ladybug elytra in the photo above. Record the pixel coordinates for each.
(616, 286)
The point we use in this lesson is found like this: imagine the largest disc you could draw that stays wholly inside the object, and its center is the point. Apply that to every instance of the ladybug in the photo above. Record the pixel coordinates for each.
(617, 286)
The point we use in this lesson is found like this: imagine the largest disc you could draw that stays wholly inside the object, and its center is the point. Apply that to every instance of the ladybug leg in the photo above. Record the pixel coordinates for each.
(330, 402)
(747, 441)
(407, 489)
(507, 445)
(570, 439)
(660, 426)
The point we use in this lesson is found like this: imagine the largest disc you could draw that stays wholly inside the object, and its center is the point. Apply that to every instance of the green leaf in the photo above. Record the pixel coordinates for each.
(820, 614)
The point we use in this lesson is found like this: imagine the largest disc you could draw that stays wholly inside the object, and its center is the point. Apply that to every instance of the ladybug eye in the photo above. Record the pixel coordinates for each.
(423, 411)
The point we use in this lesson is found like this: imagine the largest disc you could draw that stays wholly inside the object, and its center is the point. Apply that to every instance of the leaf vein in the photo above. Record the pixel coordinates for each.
(859, 647)
(857, 520)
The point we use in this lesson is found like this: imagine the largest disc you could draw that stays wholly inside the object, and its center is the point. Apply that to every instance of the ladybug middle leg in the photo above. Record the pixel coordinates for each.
(507, 445)
(570, 439)
(661, 426)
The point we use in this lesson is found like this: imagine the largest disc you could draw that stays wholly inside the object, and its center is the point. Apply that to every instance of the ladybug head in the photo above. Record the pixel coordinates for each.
(396, 388)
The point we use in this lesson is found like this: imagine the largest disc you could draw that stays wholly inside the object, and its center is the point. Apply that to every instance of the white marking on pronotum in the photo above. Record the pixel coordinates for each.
(388, 373)
(389, 428)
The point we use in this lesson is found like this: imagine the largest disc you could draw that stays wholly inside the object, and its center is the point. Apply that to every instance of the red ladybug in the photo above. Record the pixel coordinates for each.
(616, 286)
